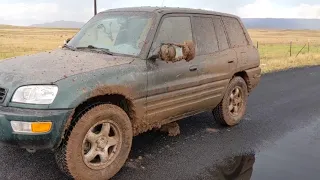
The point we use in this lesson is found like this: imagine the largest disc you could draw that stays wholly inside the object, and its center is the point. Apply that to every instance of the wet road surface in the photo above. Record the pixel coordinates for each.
(278, 139)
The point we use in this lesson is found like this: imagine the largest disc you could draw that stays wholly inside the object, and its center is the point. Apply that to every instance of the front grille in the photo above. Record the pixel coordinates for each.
(3, 93)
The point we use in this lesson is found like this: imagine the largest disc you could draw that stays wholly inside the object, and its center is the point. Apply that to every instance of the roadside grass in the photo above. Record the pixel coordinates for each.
(274, 48)
(274, 45)
(276, 57)
(283, 63)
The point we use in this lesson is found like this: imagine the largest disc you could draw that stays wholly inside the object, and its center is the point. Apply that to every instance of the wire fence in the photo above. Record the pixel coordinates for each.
(290, 49)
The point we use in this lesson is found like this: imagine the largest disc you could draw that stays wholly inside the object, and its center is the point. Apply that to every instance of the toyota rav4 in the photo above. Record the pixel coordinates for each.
(125, 72)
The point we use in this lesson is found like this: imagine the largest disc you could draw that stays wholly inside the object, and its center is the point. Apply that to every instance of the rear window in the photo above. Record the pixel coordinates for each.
(205, 35)
(235, 32)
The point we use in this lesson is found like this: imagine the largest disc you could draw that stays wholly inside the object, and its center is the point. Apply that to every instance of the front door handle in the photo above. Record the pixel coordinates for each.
(193, 68)
(231, 61)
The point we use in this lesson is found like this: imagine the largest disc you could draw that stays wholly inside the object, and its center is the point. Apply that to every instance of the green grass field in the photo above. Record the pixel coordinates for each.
(274, 48)
(274, 45)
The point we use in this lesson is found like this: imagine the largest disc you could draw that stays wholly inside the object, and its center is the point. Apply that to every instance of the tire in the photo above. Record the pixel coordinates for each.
(222, 112)
(240, 167)
(97, 129)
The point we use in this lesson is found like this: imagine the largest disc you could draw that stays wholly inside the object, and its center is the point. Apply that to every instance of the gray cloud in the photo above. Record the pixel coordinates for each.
(23, 12)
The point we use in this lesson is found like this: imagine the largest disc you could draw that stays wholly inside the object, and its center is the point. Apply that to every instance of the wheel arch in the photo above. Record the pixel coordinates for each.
(117, 95)
(244, 75)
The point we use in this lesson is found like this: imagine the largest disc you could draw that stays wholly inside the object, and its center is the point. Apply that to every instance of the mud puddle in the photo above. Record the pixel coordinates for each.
(295, 156)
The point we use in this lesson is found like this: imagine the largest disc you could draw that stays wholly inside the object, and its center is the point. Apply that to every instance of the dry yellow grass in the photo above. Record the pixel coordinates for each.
(274, 48)
(273, 45)
(15, 41)
(277, 64)
(285, 36)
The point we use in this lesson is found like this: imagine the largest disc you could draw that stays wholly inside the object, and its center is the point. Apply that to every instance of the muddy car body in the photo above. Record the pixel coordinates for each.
(88, 99)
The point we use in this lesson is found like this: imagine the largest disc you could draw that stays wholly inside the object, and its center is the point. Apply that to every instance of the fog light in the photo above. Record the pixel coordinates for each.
(31, 127)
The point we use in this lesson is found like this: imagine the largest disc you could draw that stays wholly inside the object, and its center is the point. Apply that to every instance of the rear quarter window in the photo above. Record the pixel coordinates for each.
(235, 32)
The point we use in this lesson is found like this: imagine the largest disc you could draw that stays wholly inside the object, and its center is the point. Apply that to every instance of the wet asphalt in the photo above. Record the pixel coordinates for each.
(279, 138)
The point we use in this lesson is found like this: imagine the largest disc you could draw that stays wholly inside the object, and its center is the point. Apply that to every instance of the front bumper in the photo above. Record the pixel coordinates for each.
(32, 141)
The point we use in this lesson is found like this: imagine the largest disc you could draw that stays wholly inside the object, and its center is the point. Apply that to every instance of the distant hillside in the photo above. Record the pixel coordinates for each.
(5, 26)
(251, 23)
(270, 23)
(60, 24)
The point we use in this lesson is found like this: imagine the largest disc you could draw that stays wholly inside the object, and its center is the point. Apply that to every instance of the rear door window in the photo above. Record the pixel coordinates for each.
(205, 35)
(221, 35)
(235, 32)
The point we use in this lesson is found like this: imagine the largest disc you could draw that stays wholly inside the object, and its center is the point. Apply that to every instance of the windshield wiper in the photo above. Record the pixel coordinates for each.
(69, 47)
(104, 50)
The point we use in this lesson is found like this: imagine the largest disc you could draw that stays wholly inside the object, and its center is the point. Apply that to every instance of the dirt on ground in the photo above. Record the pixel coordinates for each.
(172, 129)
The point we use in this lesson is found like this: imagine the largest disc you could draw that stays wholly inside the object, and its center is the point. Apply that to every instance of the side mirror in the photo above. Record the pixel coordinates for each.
(167, 52)
(186, 51)
(189, 50)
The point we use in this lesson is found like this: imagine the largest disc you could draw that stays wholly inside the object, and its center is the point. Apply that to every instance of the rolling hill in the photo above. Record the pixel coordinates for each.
(272, 23)
(251, 23)
(60, 24)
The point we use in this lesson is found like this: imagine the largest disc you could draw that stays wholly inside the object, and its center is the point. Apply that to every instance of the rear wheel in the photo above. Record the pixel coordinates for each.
(233, 106)
(98, 145)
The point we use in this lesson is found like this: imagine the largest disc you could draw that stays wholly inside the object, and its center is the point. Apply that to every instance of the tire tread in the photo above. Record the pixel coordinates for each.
(218, 112)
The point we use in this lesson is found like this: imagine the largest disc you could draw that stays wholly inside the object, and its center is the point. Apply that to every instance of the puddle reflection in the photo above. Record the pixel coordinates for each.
(234, 168)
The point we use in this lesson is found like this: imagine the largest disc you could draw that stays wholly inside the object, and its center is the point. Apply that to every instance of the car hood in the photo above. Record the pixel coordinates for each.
(49, 67)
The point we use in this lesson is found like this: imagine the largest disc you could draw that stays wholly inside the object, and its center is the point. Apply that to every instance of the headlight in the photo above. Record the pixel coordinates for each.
(44, 94)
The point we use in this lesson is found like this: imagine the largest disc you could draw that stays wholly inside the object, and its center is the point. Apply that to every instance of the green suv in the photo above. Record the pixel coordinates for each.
(126, 72)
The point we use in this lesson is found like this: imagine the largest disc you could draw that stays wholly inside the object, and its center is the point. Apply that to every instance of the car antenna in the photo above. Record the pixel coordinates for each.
(95, 7)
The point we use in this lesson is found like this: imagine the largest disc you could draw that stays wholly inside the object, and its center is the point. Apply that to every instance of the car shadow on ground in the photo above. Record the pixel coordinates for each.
(19, 164)
(189, 127)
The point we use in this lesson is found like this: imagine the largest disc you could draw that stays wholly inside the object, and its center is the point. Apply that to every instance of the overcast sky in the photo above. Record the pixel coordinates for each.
(27, 12)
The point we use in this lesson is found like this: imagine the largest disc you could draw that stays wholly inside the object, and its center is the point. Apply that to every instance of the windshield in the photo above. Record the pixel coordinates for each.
(123, 33)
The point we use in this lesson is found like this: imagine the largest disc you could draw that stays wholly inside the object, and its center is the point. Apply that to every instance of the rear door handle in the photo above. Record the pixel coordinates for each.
(231, 61)
(193, 68)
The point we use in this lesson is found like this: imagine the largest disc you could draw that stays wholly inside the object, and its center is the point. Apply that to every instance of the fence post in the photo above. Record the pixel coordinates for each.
(290, 48)
(301, 50)
(308, 47)
(257, 44)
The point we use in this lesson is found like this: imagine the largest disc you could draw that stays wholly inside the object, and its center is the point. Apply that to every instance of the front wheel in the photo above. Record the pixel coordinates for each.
(98, 145)
(233, 106)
